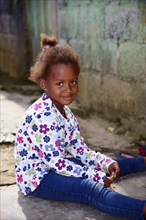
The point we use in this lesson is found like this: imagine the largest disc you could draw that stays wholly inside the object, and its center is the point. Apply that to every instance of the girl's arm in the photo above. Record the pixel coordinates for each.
(79, 150)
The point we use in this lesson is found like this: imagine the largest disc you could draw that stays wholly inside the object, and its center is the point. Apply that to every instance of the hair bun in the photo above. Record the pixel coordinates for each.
(46, 40)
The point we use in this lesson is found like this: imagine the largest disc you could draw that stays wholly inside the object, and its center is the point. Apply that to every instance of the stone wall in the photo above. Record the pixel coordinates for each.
(14, 52)
(110, 38)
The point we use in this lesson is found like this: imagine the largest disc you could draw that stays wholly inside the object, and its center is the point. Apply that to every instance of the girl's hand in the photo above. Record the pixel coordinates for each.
(107, 182)
(114, 170)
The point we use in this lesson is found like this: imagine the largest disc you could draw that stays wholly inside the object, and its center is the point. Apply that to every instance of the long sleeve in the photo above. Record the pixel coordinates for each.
(79, 149)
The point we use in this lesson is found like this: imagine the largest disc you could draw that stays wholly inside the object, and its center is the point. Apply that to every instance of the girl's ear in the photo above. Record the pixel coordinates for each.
(42, 84)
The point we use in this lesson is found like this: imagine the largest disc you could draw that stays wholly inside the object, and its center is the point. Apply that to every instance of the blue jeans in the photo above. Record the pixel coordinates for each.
(58, 187)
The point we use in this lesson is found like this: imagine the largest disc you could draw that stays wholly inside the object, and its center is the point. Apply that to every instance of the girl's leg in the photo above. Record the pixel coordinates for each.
(58, 187)
(131, 165)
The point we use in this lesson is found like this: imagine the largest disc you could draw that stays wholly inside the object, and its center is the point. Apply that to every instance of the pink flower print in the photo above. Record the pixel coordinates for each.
(40, 153)
(20, 131)
(54, 123)
(44, 129)
(35, 184)
(80, 150)
(108, 160)
(20, 139)
(70, 137)
(56, 143)
(19, 178)
(60, 164)
(96, 177)
(98, 167)
(34, 177)
(37, 106)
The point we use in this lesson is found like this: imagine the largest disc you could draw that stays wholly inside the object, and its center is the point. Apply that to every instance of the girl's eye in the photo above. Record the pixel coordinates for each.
(60, 84)
(74, 82)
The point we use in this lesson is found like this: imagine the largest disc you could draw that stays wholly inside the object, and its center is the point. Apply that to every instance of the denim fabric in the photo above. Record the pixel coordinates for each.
(59, 187)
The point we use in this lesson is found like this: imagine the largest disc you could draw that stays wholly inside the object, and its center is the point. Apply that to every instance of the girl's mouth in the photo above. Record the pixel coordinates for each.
(67, 98)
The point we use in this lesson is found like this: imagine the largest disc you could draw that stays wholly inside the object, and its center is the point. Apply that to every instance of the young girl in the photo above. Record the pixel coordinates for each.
(52, 160)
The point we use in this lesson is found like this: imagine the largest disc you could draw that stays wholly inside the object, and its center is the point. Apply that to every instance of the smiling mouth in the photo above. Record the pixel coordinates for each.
(67, 98)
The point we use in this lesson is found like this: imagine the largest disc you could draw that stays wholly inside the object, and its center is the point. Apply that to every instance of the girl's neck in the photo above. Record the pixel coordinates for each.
(60, 109)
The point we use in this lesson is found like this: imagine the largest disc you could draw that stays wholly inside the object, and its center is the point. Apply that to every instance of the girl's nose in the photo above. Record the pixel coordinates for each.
(67, 87)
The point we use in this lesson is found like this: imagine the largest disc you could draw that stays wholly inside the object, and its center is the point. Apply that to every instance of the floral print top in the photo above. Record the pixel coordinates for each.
(43, 142)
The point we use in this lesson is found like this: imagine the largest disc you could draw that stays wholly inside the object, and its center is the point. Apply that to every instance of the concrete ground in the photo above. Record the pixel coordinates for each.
(15, 206)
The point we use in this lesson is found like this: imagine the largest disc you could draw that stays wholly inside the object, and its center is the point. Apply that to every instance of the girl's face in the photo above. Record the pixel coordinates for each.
(61, 84)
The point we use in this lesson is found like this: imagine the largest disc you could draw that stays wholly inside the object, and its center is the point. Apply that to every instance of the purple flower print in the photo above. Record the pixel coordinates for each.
(33, 156)
(92, 162)
(29, 140)
(52, 127)
(46, 139)
(44, 129)
(73, 142)
(55, 153)
(47, 157)
(104, 178)
(78, 170)
(34, 127)
(44, 96)
(85, 168)
(61, 142)
(28, 119)
(47, 113)
(96, 177)
(38, 116)
(23, 153)
(25, 133)
(80, 150)
(84, 175)
(48, 109)
(65, 133)
(71, 128)
(27, 190)
(24, 168)
(49, 147)
(60, 164)
(69, 168)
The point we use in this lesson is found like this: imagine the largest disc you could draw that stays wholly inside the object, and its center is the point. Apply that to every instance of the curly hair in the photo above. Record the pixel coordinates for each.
(52, 53)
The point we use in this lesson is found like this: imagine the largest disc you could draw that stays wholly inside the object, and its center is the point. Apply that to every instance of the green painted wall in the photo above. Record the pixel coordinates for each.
(110, 37)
